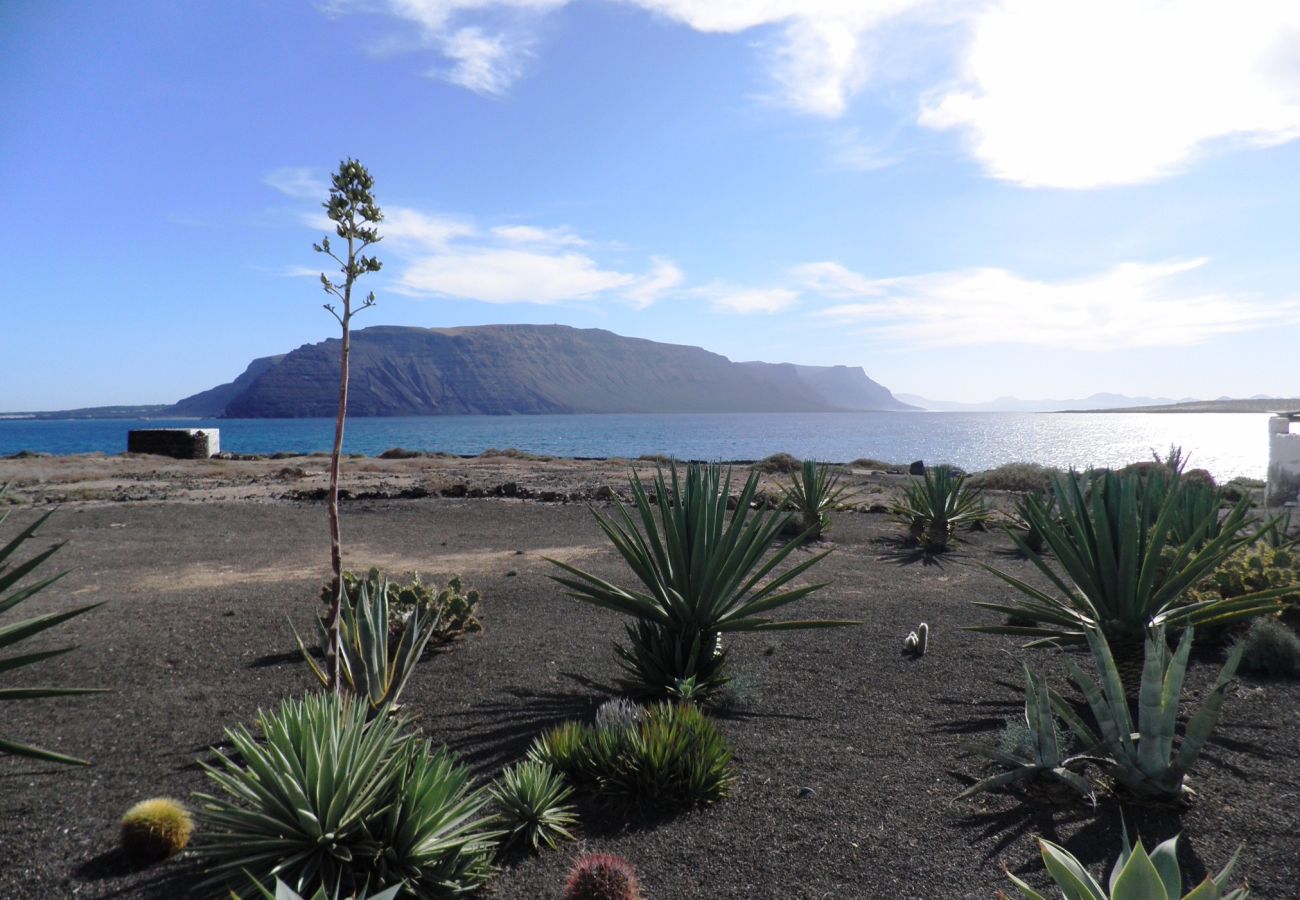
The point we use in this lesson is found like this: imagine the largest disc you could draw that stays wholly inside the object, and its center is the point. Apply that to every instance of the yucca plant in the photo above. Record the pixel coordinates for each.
(934, 507)
(327, 798)
(1136, 876)
(1115, 574)
(1143, 760)
(812, 493)
(284, 892)
(372, 663)
(702, 572)
(531, 796)
(1045, 759)
(16, 632)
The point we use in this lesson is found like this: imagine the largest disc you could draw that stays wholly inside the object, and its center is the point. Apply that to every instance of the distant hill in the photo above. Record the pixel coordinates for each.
(1097, 402)
(520, 369)
(97, 412)
(1223, 404)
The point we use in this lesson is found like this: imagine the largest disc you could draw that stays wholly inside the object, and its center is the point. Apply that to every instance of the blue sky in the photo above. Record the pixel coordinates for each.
(967, 199)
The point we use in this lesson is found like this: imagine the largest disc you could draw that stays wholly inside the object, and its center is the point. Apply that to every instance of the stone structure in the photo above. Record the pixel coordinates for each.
(1283, 460)
(181, 443)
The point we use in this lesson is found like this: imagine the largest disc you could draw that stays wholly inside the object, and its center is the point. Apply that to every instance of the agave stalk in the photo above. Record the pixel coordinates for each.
(702, 572)
(1136, 876)
(1117, 575)
(934, 507)
(371, 663)
(16, 632)
(1143, 759)
(1047, 760)
(814, 491)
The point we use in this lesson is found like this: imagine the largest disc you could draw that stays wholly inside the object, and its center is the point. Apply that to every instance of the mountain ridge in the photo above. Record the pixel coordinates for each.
(526, 369)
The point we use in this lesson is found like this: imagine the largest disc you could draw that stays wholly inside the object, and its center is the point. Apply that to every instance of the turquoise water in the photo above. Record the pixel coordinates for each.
(1227, 444)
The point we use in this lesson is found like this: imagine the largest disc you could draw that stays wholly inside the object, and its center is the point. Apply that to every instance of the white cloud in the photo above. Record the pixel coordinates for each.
(420, 230)
(1065, 94)
(749, 301)
(663, 278)
(817, 60)
(484, 63)
(1130, 305)
(530, 234)
(298, 182)
(511, 276)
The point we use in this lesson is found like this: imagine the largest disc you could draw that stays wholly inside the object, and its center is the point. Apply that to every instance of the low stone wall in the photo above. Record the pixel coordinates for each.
(179, 443)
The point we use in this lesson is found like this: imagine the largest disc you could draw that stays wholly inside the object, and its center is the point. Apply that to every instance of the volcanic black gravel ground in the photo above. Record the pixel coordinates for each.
(848, 752)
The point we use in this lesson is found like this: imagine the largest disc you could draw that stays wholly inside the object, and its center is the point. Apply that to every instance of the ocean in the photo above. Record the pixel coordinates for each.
(1227, 444)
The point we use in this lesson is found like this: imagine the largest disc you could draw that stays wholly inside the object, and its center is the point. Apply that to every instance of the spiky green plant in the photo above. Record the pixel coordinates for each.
(329, 798)
(934, 507)
(531, 797)
(11, 594)
(702, 572)
(812, 493)
(672, 758)
(1143, 759)
(1044, 760)
(284, 892)
(373, 664)
(1136, 876)
(1115, 574)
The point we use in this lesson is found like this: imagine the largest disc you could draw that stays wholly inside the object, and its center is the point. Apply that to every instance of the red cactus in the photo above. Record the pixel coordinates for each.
(602, 876)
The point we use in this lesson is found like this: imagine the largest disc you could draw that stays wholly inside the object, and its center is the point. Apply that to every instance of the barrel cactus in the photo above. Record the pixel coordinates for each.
(602, 876)
(155, 829)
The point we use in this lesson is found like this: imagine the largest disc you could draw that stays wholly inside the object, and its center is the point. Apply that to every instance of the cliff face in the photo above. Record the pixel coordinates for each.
(519, 369)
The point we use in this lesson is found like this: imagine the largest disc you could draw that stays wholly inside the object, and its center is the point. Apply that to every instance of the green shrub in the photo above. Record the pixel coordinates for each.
(935, 506)
(618, 713)
(155, 829)
(1023, 477)
(601, 876)
(329, 798)
(530, 796)
(453, 610)
(1115, 571)
(284, 892)
(17, 632)
(1136, 876)
(703, 572)
(673, 758)
(1270, 648)
(812, 493)
(778, 463)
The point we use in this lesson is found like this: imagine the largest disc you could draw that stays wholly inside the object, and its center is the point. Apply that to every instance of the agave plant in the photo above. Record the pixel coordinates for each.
(531, 796)
(936, 505)
(330, 799)
(1117, 575)
(814, 491)
(1143, 759)
(1136, 876)
(284, 892)
(702, 572)
(374, 664)
(14, 633)
(1045, 760)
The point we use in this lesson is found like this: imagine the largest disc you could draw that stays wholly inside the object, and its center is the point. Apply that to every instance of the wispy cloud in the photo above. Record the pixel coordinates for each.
(1084, 95)
(531, 234)
(664, 278)
(816, 56)
(749, 301)
(299, 182)
(1128, 306)
(511, 276)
